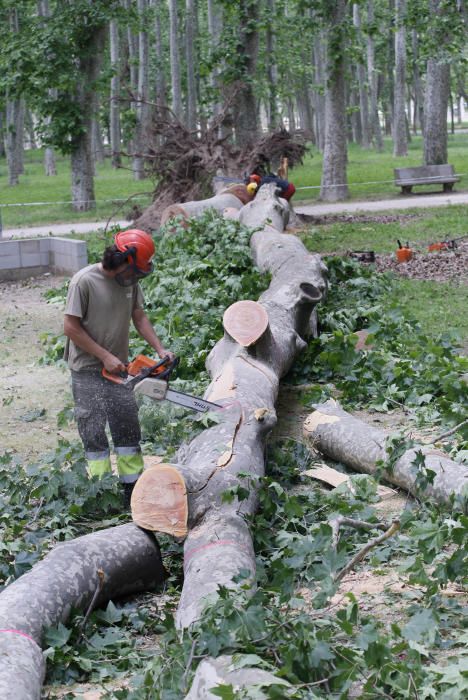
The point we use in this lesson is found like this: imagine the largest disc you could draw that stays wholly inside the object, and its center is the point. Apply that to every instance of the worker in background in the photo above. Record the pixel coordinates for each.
(286, 187)
(102, 301)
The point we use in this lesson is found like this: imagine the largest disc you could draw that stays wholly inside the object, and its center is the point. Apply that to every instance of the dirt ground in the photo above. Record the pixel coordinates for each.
(31, 394)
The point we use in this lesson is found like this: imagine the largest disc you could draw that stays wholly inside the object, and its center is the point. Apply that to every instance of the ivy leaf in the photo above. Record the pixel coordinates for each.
(422, 627)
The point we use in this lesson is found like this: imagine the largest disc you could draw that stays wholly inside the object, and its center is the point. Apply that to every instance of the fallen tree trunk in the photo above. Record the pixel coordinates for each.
(245, 377)
(187, 210)
(346, 439)
(113, 563)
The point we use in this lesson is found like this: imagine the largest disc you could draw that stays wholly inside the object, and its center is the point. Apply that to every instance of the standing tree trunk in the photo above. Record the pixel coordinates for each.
(436, 100)
(161, 99)
(142, 106)
(245, 109)
(319, 60)
(114, 113)
(190, 23)
(418, 115)
(82, 164)
(400, 141)
(362, 81)
(14, 121)
(2, 134)
(272, 75)
(98, 144)
(373, 82)
(334, 185)
(50, 167)
(175, 60)
(215, 27)
(29, 126)
(14, 138)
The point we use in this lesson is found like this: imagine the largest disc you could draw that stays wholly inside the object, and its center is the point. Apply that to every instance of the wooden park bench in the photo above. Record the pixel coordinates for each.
(407, 178)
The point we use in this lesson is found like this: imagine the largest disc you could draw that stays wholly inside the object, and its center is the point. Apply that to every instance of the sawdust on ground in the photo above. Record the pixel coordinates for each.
(31, 394)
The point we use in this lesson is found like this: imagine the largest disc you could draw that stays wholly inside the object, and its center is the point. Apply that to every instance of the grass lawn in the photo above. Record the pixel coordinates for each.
(437, 306)
(368, 166)
(110, 184)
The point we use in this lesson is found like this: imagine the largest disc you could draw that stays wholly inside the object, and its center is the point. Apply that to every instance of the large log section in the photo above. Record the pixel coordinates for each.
(116, 562)
(349, 440)
(245, 381)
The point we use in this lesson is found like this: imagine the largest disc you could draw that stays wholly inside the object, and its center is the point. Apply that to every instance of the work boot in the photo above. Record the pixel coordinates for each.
(127, 494)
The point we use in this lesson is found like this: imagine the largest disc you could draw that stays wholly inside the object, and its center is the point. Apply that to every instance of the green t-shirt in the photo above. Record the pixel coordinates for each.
(105, 309)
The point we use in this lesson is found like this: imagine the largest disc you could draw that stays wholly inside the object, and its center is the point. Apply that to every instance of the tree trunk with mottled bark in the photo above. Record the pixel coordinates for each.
(114, 111)
(190, 38)
(400, 141)
(348, 440)
(82, 162)
(362, 81)
(142, 108)
(65, 580)
(161, 97)
(334, 185)
(175, 60)
(245, 107)
(373, 82)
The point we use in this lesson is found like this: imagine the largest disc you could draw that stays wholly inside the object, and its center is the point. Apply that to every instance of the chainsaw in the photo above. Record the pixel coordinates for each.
(149, 378)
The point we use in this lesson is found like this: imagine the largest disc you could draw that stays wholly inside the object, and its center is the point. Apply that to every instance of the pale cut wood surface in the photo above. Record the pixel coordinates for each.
(245, 321)
(159, 501)
(335, 478)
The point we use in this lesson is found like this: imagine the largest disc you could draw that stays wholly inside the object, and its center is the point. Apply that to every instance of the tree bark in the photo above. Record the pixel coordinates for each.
(175, 60)
(187, 210)
(82, 163)
(114, 112)
(418, 114)
(67, 579)
(161, 97)
(245, 108)
(142, 107)
(272, 74)
(373, 81)
(400, 141)
(346, 439)
(215, 27)
(14, 122)
(190, 23)
(334, 185)
(361, 76)
(50, 167)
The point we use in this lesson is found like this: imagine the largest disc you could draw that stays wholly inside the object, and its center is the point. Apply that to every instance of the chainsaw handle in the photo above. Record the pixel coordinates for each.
(116, 378)
(170, 366)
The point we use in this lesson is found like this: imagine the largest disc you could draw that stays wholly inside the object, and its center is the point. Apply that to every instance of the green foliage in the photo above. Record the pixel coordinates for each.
(47, 502)
(394, 370)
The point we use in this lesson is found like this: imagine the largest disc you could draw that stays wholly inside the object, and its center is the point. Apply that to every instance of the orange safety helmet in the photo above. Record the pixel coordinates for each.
(255, 178)
(140, 247)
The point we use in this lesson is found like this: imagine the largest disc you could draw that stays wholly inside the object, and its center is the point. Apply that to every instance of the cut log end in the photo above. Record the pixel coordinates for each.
(245, 321)
(159, 501)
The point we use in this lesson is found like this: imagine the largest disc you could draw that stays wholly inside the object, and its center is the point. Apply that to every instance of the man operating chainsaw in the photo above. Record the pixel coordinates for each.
(102, 300)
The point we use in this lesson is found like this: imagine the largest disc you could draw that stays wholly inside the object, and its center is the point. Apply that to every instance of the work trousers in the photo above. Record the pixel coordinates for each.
(99, 402)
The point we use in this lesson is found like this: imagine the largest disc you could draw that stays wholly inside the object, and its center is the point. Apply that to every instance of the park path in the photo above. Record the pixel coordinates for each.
(314, 209)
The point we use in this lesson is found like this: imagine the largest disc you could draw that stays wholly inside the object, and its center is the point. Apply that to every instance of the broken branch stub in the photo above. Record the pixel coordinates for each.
(346, 439)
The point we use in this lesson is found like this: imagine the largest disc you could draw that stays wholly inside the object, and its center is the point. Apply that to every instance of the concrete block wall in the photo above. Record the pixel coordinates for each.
(34, 256)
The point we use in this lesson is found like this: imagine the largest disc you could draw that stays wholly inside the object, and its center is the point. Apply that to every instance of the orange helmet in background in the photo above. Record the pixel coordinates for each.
(140, 246)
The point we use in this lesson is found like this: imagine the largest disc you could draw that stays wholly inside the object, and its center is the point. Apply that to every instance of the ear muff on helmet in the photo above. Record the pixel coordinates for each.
(123, 256)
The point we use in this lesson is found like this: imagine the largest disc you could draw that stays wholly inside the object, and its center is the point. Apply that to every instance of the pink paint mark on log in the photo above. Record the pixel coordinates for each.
(219, 543)
(21, 634)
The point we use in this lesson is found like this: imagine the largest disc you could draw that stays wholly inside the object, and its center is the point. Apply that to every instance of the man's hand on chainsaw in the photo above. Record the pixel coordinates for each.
(167, 353)
(112, 364)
